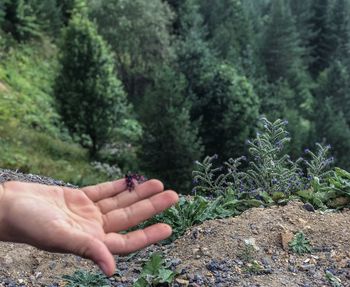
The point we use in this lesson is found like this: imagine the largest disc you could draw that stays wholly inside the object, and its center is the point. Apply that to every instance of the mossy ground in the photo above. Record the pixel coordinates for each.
(31, 138)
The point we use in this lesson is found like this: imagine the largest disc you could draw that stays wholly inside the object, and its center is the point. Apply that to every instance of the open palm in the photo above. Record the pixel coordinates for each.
(85, 221)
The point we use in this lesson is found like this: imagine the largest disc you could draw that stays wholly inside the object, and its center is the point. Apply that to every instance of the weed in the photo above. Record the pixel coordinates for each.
(82, 278)
(248, 253)
(155, 272)
(253, 267)
(300, 244)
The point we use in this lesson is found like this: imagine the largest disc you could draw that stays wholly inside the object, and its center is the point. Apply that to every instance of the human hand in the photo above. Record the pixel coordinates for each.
(84, 221)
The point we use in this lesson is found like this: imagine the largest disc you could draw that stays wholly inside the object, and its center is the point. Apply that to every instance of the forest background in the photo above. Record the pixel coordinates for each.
(91, 90)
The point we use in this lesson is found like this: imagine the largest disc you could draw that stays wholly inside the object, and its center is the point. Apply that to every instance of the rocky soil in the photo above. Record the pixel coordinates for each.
(214, 253)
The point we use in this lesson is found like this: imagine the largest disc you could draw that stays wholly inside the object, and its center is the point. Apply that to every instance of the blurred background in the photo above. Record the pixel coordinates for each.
(91, 90)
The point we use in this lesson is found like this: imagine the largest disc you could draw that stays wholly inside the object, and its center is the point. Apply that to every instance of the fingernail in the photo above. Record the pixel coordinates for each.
(103, 267)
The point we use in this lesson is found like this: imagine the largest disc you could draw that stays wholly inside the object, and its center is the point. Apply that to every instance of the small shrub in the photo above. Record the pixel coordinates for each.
(82, 278)
(155, 272)
(300, 244)
(270, 175)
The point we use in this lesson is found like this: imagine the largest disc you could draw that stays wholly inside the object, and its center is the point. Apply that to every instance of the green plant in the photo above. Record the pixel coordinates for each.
(155, 272)
(340, 181)
(300, 244)
(248, 253)
(253, 267)
(333, 280)
(82, 278)
(271, 176)
(90, 98)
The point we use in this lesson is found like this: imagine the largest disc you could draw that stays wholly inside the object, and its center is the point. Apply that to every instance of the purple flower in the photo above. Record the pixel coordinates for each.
(306, 150)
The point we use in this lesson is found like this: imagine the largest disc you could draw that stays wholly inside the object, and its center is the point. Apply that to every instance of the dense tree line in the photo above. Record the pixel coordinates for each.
(195, 75)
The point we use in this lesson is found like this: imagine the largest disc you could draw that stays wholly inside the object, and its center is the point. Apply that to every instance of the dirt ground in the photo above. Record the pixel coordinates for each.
(218, 243)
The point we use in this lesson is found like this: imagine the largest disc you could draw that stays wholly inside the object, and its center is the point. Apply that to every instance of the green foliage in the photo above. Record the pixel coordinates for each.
(229, 110)
(270, 171)
(332, 118)
(27, 71)
(271, 176)
(170, 142)
(91, 99)
(248, 253)
(253, 267)
(191, 211)
(138, 56)
(82, 278)
(155, 273)
(300, 244)
(321, 38)
(19, 20)
(229, 31)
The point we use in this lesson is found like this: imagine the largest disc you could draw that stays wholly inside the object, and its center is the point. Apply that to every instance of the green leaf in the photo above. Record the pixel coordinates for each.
(166, 276)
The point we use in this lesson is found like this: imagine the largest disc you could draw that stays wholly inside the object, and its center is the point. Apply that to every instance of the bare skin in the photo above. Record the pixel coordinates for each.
(84, 221)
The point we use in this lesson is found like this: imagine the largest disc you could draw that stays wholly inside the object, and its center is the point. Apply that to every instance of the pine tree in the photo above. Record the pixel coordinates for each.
(331, 128)
(229, 32)
(194, 58)
(281, 48)
(283, 55)
(170, 142)
(303, 14)
(138, 32)
(334, 84)
(90, 98)
(19, 20)
(340, 29)
(229, 110)
(321, 39)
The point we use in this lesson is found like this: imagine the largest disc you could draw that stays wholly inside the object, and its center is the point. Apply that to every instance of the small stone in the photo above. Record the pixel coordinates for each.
(306, 267)
(251, 241)
(309, 207)
(286, 237)
(182, 282)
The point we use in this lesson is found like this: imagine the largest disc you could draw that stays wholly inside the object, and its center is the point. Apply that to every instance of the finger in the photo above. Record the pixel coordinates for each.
(126, 243)
(91, 248)
(127, 198)
(122, 219)
(104, 190)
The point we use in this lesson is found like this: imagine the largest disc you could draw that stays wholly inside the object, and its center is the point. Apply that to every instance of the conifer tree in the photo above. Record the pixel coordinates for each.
(194, 58)
(19, 20)
(90, 98)
(281, 48)
(302, 13)
(340, 30)
(229, 32)
(170, 142)
(138, 32)
(229, 109)
(321, 38)
(283, 54)
(334, 84)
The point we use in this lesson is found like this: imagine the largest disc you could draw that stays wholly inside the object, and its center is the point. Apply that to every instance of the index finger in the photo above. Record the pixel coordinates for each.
(104, 190)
